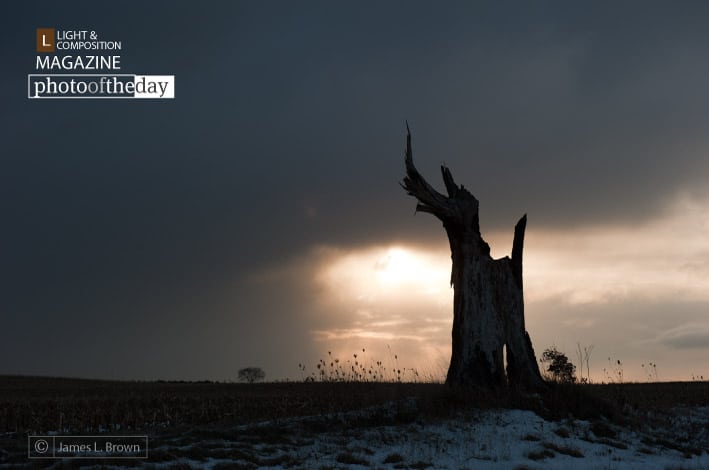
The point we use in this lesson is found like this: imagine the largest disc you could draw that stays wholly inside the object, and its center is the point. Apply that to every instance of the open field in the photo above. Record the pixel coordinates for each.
(38, 404)
(381, 425)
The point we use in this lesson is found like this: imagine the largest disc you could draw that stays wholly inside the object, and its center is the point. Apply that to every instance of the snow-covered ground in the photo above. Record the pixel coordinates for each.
(476, 439)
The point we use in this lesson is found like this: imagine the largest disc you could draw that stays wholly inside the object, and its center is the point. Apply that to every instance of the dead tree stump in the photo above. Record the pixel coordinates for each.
(488, 304)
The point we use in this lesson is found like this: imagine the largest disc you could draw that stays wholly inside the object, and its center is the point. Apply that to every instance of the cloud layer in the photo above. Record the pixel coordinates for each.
(137, 236)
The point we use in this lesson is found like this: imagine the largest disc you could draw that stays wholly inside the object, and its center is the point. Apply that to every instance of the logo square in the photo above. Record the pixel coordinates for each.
(45, 39)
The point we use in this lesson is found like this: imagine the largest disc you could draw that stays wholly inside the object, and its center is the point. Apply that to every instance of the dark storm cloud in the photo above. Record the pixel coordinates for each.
(287, 132)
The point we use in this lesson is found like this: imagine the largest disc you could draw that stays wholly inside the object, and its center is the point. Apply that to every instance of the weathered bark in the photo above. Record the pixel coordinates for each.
(488, 306)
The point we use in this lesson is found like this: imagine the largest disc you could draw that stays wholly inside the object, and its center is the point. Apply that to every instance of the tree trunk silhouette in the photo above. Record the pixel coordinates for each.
(488, 306)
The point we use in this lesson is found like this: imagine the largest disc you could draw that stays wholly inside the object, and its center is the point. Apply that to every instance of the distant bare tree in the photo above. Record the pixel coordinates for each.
(251, 374)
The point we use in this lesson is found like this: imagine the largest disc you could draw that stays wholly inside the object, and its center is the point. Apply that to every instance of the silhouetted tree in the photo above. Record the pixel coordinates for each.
(560, 369)
(488, 306)
(251, 374)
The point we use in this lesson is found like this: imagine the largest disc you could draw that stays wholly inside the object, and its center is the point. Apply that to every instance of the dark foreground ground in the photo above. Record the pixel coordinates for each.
(181, 412)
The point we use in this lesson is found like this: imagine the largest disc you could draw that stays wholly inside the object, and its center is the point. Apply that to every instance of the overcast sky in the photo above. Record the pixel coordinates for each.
(257, 218)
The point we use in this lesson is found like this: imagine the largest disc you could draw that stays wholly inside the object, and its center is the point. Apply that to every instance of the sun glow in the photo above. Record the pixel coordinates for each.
(388, 298)
(390, 272)
(401, 266)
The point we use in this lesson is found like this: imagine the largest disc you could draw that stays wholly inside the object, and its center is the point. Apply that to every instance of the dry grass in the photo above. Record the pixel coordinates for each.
(653, 395)
(38, 405)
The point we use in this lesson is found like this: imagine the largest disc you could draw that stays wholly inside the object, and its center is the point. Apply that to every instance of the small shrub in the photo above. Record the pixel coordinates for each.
(560, 369)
